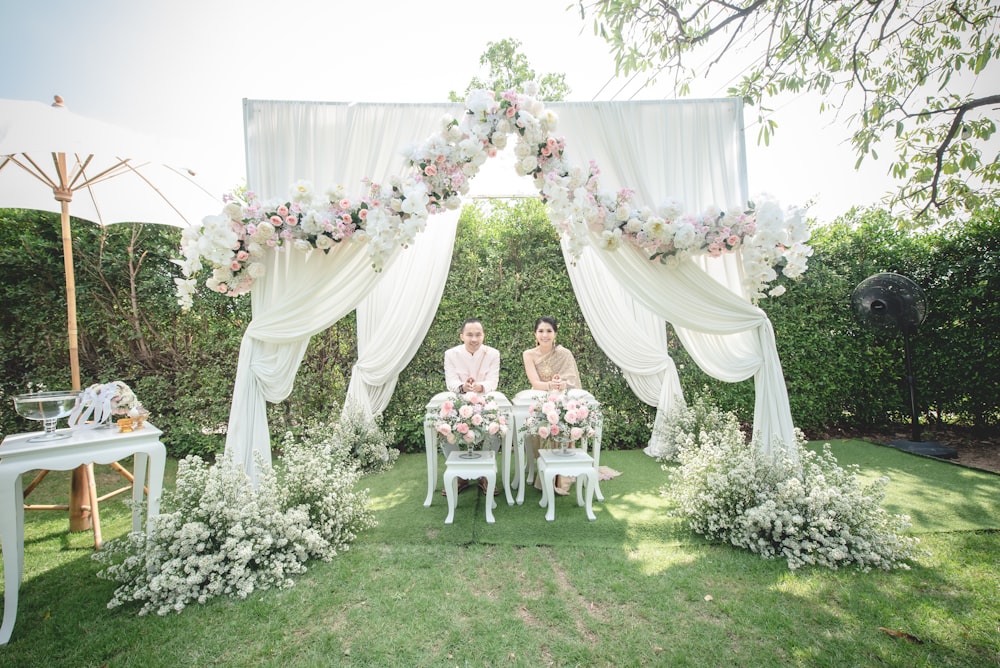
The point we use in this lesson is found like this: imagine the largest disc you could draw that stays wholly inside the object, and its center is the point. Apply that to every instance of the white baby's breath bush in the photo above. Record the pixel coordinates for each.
(813, 512)
(355, 436)
(684, 425)
(219, 535)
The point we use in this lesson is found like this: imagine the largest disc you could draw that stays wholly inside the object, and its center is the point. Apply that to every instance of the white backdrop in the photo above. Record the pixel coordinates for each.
(692, 150)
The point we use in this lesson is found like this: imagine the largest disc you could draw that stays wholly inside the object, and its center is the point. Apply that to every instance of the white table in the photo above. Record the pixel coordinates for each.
(430, 444)
(84, 446)
(460, 465)
(519, 405)
(573, 463)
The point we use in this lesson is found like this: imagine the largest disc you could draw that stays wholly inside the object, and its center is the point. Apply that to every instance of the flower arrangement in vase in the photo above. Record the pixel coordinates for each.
(468, 419)
(562, 419)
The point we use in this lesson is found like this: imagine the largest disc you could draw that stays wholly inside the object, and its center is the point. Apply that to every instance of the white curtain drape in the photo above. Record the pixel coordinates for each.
(302, 294)
(632, 336)
(700, 161)
(394, 317)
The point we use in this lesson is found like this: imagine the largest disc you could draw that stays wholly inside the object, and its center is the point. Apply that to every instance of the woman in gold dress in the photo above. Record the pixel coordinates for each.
(549, 367)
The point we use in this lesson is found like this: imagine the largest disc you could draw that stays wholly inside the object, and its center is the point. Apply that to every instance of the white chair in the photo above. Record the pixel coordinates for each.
(574, 463)
(461, 465)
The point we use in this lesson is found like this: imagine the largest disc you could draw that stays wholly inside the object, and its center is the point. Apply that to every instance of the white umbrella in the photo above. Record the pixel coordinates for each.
(54, 160)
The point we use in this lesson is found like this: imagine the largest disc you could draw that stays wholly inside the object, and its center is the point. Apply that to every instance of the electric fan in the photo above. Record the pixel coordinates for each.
(891, 304)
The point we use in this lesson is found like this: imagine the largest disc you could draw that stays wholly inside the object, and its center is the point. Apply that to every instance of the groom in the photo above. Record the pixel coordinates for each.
(471, 367)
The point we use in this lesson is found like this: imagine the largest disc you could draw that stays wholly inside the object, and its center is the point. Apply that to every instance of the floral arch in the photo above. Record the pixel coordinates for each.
(707, 271)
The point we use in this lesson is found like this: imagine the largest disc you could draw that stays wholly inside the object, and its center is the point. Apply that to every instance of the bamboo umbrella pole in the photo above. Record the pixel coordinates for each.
(79, 493)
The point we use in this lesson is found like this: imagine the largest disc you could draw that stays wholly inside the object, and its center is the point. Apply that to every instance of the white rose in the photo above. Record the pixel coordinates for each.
(480, 102)
(323, 242)
(301, 191)
(233, 211)
(611, 239)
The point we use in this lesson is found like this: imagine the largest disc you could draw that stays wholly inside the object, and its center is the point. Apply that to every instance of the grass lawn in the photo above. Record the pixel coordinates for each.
(633, 588)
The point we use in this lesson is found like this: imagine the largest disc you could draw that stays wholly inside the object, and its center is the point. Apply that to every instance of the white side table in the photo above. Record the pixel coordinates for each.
(574, 463)
(85, 446)
(430, 444)
(459, 465)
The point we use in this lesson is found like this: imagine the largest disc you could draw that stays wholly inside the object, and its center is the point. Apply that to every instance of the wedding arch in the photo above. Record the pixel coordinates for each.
(618, 186)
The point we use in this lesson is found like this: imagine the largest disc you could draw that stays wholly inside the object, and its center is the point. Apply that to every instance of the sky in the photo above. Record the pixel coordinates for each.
(180, 69)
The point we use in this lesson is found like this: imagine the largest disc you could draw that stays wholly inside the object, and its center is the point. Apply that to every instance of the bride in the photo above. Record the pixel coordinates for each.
(549, 367)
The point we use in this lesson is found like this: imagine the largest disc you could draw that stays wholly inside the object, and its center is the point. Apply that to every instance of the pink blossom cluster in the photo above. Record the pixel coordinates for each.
(469, 418)
(562, 418)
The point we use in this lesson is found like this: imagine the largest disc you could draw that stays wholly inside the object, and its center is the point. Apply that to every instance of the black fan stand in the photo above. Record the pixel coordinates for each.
(916, 445)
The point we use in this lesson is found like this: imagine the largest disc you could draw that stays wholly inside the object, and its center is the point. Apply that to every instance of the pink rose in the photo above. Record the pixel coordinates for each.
(477, 419)
(576, 433)
(554, 430)
(543, 432)
(494, 428)
(466, 411)
(553, 417)
(344, 203)
(276, 221)
(462, 428)
(242, 256)
(292, 220)
(363, 214)
(430, 170)
(282, 210)
(470, 437)
(444, 429)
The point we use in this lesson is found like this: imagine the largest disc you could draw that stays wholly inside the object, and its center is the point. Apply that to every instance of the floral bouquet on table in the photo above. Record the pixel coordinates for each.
(562, 419)
(101, 401)
(468, 419)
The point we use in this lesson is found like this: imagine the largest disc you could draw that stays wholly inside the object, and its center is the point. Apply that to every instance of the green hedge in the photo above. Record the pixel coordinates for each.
(508, 270)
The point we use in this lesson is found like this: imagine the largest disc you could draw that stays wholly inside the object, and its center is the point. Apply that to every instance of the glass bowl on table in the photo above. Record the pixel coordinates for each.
(48, 408)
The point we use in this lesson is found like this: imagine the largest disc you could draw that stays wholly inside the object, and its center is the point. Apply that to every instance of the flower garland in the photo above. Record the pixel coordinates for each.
(467, 419)
(562, 418)
(233, 243)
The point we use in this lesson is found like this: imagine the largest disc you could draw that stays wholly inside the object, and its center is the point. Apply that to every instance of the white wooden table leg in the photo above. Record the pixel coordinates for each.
(431, 446)
(451, 490)
(491, 484)
(591, 478)
(549, 495)
(505, 465)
